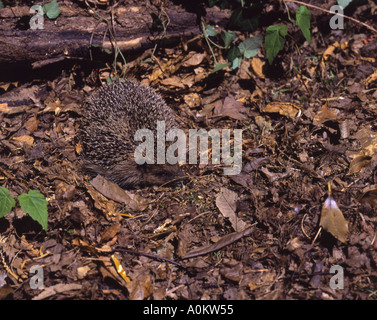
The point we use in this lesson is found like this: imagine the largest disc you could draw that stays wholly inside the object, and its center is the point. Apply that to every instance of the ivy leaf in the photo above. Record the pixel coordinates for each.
(233, 53)
(242, 18)
(249, 48)
(6, 202)
(211, 3)
(220, 66)
(274, 41)
(228, 38)
(210, 31)
(234, 56)
(344, 3)
(303, 21)
(236, 63)
(34, 203)
(51, 9)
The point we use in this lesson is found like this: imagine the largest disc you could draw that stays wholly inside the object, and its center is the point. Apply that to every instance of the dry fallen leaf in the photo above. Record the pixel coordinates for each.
(54, 106)
(4, 107)
(82, 272)
(294, 244)
(226, 202)
(333, 221)
(283, 108)
(78, 148)
(231, 108)
(371, 78)
(24, 139)
(110, 232)
(157, 72)
(192, 100)
(358, 163)
(208, 108)
(102, 203)
(11, 110)
(112, 191)
(328, 52)
(140, 287)
(257, 65)
(325, 114)
(5, 291)
(368, 143)
(5, 86)
(57, 289)
(119, 268)
(244, 179)
(32, 124)
(369, 196)
(173, 81)
(193, 59)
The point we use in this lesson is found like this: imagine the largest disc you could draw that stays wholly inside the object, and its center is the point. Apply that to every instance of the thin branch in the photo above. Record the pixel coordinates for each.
(152, 256)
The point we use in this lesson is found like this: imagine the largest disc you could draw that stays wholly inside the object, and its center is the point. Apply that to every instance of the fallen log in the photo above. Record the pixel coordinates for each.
(78, 30)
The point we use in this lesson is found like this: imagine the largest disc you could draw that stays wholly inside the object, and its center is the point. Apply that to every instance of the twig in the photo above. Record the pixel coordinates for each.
(302, 226)
(207, 40)
(328, 11)
(198, 216)
(152, 256)
(316, 236)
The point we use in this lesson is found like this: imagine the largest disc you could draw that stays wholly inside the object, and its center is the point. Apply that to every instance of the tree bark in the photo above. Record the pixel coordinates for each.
(78, 30)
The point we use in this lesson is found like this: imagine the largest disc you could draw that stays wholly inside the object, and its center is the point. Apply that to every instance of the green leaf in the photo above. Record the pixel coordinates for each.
(274, 41)
(210, 31)
(234, 56)
(303, 21)
(228, 38)
(220, 66)
(233, 53)
(240, 19)
(236, 62)
(249, 48)
(51, 9)
(211, 3)
(6, 202)
(1, 5)
(111, 79)
(344, 3)
(34, 203)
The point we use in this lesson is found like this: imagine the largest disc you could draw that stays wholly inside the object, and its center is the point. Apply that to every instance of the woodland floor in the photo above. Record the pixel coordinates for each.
(321, 129)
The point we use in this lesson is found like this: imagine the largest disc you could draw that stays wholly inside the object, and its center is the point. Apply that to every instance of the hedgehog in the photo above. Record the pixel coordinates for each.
(111, 117)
